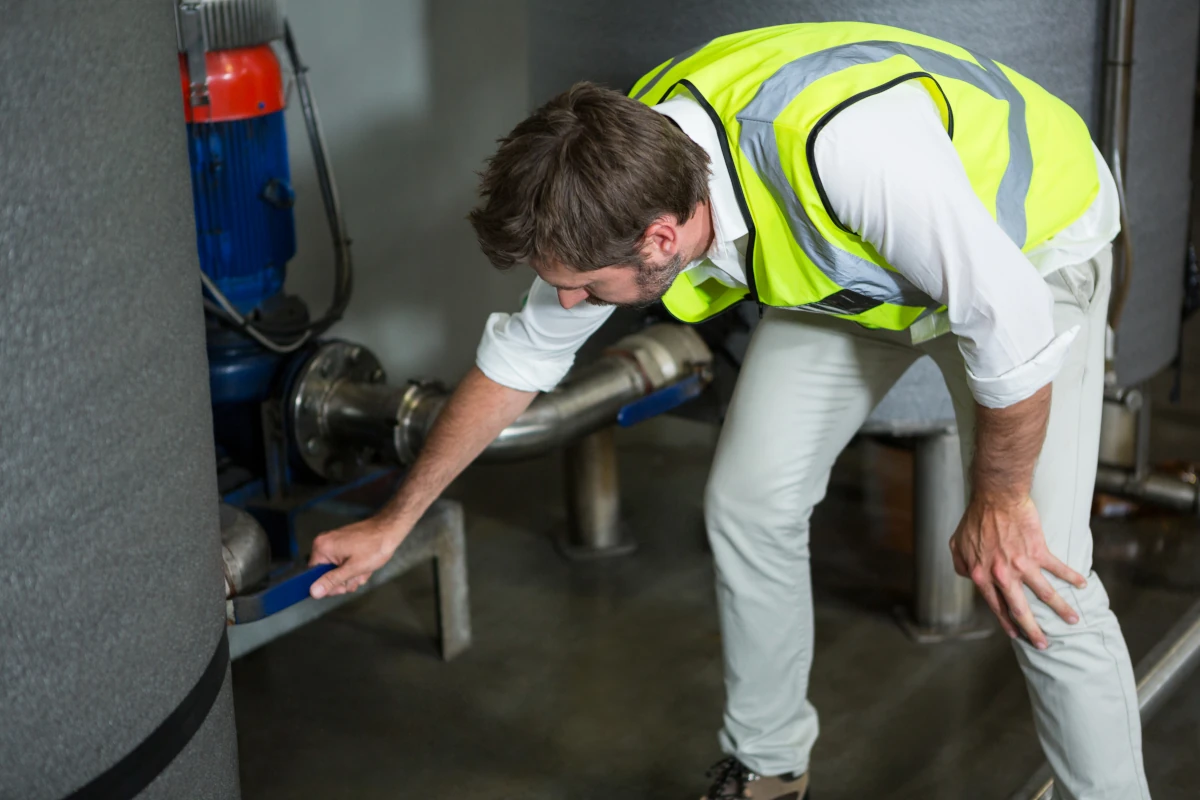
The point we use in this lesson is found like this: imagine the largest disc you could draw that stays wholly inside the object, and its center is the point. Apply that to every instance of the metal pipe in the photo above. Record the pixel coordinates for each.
(943, 601)
(584, 403)
(1114, 137)
(1118, 60)
(342, 412)
(1163, 490)
(594, 528)
(245, 552)
(1160, 673)
(943, 604)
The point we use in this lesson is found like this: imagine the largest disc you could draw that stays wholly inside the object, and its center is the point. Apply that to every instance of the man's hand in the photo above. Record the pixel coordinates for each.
(476, 413)
(357, 550)
(1001, 548)
(999, 543)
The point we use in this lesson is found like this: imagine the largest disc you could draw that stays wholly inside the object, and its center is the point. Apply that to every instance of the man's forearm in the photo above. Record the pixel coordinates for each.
(1007, 444)
(473, 417)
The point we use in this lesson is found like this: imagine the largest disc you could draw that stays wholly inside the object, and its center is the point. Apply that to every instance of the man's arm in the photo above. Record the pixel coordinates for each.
(893, 176)
(999, 543)
(519, 355)
(473, 417)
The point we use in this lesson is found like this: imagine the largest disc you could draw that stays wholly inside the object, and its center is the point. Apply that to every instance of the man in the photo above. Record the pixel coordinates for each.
(919, 198)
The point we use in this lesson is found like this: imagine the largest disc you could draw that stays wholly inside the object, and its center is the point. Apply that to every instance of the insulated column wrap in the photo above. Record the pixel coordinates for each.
(111, 594)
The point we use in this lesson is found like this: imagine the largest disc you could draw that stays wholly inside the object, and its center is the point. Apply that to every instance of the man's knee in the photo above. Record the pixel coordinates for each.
(747, 513)
(1090, 604)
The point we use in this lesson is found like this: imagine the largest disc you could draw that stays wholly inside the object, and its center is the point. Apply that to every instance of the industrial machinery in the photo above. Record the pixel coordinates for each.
(301, 421)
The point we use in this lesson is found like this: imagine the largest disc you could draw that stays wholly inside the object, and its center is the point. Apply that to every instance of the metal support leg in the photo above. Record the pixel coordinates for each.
(943, 603)
(437, 536)
(1159, 674)
(594, 528)
(450, 576)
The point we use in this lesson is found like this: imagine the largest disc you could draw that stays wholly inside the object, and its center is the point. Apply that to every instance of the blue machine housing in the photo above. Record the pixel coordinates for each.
(245, 234)
(241, 187)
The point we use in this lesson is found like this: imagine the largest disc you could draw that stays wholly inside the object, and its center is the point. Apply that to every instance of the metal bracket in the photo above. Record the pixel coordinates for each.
(282, 593)
(190, 21)
(278, 477)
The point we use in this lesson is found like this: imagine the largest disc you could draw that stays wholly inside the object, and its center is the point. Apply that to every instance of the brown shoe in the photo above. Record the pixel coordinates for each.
(733, 780)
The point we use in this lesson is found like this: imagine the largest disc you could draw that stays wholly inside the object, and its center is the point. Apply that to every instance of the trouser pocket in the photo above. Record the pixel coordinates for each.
(1079, 281)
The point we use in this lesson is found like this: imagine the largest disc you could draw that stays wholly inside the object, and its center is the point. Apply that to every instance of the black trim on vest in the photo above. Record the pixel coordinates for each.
(137, 770)
(842, 106)
(844, 301)
(735, 179)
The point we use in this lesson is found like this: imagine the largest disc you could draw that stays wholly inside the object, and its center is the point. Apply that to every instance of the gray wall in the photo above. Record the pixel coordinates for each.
(1159, 187)
(413, 95)
(1055, 42)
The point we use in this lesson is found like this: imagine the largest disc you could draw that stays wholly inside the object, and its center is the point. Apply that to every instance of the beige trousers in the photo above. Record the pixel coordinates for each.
(807, 385)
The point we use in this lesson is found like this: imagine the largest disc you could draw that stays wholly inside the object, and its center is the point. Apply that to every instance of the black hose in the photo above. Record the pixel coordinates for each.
(343, 264)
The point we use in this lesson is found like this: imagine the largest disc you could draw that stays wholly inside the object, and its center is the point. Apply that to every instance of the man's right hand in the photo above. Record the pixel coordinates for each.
(475, 414)
(357, 551)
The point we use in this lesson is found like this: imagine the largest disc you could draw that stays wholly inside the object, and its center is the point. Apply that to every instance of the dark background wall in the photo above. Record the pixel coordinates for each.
(413, 95)
(1055, 42)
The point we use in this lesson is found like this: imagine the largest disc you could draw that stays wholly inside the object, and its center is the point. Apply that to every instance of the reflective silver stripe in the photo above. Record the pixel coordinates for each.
(843, 268)
(650, 84)
(1018, 174)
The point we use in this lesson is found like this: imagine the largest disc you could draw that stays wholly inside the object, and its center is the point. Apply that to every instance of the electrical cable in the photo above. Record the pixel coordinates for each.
(226, 309)
(269, 334)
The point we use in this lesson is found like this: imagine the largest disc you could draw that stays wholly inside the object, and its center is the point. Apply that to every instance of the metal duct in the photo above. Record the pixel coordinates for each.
(345, 417)
(111, 604)
(1168, 491)
(1058, 43)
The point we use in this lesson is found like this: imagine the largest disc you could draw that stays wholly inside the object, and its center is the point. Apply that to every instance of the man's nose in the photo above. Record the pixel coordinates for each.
(569, 298)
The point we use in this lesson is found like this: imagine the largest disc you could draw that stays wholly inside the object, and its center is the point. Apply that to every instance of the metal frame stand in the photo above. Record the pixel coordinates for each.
(439, 536)
(943, 603)
(1159, 674)
(594, 528)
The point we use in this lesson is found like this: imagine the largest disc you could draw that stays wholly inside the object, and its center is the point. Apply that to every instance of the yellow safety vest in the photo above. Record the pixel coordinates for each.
(769, 92)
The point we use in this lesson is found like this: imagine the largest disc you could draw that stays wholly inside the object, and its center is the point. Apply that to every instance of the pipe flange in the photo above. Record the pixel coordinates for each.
(665, 352)
(330, 365)
(422, 402)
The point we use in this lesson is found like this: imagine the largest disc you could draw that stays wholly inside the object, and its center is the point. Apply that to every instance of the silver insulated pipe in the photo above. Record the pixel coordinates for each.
(345, 417)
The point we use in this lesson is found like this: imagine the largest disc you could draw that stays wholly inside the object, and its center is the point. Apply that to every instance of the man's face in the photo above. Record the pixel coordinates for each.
(626, 286)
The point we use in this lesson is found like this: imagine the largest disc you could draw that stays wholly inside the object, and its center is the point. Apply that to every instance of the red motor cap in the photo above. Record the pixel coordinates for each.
(242, 83)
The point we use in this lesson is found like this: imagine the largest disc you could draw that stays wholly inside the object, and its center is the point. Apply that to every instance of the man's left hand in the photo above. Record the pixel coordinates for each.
(1000, 546)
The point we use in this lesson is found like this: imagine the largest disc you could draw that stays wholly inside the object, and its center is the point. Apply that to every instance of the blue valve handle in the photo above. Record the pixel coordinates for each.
(279, 595)
(660, 402)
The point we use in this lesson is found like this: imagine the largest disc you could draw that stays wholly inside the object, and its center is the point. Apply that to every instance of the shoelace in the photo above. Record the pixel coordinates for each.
(730, 777)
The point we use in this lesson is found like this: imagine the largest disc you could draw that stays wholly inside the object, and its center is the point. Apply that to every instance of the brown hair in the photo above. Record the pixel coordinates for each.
(582, 179)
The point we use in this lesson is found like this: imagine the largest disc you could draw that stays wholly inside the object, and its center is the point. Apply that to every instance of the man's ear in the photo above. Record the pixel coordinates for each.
(662, 237)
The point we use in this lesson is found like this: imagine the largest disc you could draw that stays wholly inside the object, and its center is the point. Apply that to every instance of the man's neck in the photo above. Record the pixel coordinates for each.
(707, 233)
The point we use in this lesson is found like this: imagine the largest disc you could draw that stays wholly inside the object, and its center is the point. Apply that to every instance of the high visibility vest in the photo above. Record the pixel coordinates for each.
(769, 92)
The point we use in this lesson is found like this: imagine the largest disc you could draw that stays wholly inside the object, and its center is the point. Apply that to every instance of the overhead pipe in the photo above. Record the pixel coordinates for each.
(344, 416)
(1114, 138)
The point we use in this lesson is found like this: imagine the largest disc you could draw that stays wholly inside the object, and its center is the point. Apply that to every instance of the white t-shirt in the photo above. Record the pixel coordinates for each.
(892, 175)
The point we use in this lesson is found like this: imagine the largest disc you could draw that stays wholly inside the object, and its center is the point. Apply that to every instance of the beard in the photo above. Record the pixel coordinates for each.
(653, 281)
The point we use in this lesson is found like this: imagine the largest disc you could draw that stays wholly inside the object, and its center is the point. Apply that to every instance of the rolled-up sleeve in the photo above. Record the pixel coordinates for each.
(532, 350)
(893, 176)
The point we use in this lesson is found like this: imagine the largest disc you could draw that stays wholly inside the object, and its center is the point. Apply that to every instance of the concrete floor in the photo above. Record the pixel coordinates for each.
(604, 680)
